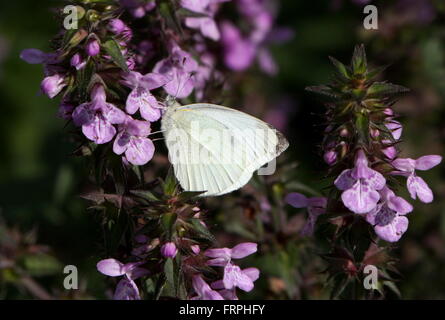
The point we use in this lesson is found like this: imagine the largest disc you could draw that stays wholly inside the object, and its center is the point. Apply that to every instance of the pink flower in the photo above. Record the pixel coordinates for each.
(132, 139)
(126, 288)
(140, 97)
(97, 117)
(179, 69)
(388, 217)
(233, 278)
(417, 187)
(239, 52)
(360, 186)
(243, 279)
(205, 24)
(169, 250)
(53, 85)
(316, 206)
(222, 256)
(203, 290)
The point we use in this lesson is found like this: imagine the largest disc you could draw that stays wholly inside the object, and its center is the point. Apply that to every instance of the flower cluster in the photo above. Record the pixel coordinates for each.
(112, 77)
(234, 277)
(362, 148)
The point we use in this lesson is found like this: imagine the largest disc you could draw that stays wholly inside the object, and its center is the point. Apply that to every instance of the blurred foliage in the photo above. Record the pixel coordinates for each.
(40, 182)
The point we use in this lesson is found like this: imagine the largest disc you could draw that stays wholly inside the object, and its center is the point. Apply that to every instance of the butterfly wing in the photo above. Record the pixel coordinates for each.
(217, 149)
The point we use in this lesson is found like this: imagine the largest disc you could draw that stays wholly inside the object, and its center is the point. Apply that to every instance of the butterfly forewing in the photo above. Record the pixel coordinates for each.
(217, 149)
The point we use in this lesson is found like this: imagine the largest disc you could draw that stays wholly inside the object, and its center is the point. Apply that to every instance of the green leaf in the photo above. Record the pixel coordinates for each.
(170, 185)
(359, 63)
(114, 50)
(168, 221)
(324, 91)
(202, 231)
(384, 89)
(341, 68)
(144, 194)
(41, 264)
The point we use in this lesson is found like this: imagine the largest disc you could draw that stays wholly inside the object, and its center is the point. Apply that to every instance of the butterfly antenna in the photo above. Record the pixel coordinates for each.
(156, 132)
(157, 139)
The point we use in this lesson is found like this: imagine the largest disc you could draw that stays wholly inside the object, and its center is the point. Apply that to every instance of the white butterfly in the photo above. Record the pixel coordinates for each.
(217, 149)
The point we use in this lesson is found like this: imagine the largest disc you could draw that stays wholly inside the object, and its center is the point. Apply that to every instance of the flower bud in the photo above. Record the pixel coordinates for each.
(344, 132)
(52, 85)
(390, 152)
(116, 26)
(330, 157)
(169, 250)
(374, 133)
(77, 61)
(92, 48)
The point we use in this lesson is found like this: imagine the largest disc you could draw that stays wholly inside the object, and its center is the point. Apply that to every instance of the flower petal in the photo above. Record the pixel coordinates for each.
(209, 29)
(393, 231)
(428, 162)
(126, 289)
(418, 187)
(140, 151)
(111, 267)
(82, 115)
(297, 200)
(405, 165)
(114, 115)
(121, 142)
(140, 98)
(33, 56)
(361, 198)
(153, 80)
(99, 131)
(233, 277)
(243, 250)
(252, 273)
(345, 181)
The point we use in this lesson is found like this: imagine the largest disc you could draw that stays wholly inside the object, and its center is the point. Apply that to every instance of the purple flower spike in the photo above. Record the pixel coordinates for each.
(132, 139)
(203, 290)
(52, 85)
(360, 186)
(388, 217)
(243, 279)
(169, 250)
(417, 187)
(140, 97)
(97, 117)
